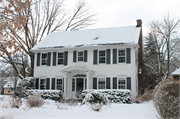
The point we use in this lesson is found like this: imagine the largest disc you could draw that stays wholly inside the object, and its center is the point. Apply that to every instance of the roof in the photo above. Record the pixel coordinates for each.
(91, 37)
(176, 72)
(9, 84)
(76, 67)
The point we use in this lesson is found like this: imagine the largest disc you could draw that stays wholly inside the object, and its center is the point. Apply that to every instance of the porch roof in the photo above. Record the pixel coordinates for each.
(176, 72)
(76, 67)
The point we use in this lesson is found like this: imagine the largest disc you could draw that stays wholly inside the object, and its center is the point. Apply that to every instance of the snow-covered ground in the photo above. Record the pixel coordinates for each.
(49, 111)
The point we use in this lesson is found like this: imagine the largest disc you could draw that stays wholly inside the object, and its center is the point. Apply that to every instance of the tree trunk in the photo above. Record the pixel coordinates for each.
(32, 64)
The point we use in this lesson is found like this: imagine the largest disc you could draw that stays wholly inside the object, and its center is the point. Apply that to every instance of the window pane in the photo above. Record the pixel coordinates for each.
(60, 61)
(121, 83)
(102, 53)
(80, 58)
(80, 53)
(121, 59)
(42, 84)
(44, 59)
(102, 60)
(60, 55)
(101, 83)
(59, 84)
(121, 52)
(73, 84)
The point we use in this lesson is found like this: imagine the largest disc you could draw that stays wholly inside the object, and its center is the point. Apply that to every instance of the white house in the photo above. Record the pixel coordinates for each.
(104, 58)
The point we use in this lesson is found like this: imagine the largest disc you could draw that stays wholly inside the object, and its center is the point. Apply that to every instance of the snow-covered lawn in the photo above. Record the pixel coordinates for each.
(49, 111)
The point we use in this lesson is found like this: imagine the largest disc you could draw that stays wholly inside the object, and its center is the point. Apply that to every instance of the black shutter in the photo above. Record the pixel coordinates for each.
(54, 58)
(53, 84)
(129, 83)
(37, 83)
(114, 56)
(85, 55)
(108, 56)
(95, 57)
(49, 59)
(128, 55)
(94, 83)
(38, 59)
(108, 83)
(65, 58)
(47, 83)
(74, 56)
(114, 82)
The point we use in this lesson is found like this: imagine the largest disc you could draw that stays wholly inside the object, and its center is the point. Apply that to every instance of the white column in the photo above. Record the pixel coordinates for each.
(65, 78)
(88, 78)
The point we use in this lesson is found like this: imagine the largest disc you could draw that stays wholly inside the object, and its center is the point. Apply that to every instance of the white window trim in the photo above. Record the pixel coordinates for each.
(40, 82)
(98, 82)
(82, 56)
(98, 57)
(118, 56)
(125, 81)
(56, 82)
(57, 59)
(41, 59)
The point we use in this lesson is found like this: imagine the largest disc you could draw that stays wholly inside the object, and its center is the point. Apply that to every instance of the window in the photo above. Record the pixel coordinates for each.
(121, 56)
(42, 84)
(73, 84)
(12, 89)
(60, 59)
(85, 84)
(121, 83)
(59, 84)
(101, 83)
(102, 56)
(80, 56)
(44, 59)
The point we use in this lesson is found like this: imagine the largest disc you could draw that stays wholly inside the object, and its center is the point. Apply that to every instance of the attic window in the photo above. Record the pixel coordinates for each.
(96, 38)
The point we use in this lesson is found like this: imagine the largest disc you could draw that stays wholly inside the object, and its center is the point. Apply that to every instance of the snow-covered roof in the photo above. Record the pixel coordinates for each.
(176, 72)
(9, 84)
(91, 37)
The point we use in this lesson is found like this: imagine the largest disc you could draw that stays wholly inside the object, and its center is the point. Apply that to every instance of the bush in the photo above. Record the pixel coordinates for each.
(34, 101)
(166, 99)
(15, 102)
(146, 96)
(106, 96)
(56, 95)
(96, 106)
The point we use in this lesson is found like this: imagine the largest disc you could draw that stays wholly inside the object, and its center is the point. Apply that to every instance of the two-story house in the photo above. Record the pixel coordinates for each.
(104, 58)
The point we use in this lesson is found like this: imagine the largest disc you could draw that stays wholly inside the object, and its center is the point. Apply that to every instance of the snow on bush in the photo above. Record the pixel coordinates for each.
(166, 99)
(45, 94)
(106, 96)
(25, 88)
(97, 106)
(34, 101)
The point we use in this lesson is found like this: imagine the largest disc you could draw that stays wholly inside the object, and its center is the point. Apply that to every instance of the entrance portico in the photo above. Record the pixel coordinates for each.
(76, 79)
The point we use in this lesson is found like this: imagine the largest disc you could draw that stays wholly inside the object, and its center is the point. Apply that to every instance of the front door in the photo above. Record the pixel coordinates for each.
(79, 85)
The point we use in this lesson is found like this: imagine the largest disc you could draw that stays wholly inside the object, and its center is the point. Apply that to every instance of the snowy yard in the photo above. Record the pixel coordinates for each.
(49, 111)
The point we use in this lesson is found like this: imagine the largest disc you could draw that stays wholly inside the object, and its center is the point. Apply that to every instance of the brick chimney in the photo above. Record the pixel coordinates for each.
(139, 23)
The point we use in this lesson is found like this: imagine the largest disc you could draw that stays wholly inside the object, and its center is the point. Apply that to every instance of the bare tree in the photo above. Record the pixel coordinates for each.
(162, 44)
(41, 18)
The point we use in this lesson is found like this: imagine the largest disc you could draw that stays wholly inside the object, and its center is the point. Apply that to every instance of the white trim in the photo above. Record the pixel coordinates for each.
(85, 83)
(118, 56)
(98, 56)
(81, 56)
(124, 79)
(98, 82)
(41, 59)
(60, 58)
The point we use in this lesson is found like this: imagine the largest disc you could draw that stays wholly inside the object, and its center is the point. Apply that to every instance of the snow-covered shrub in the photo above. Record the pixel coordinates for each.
(71, 101)
(56, 95)
(166, 99)
(34, 101)
(15, 102)
(106, 96)
(63, 106)
(96, 106)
